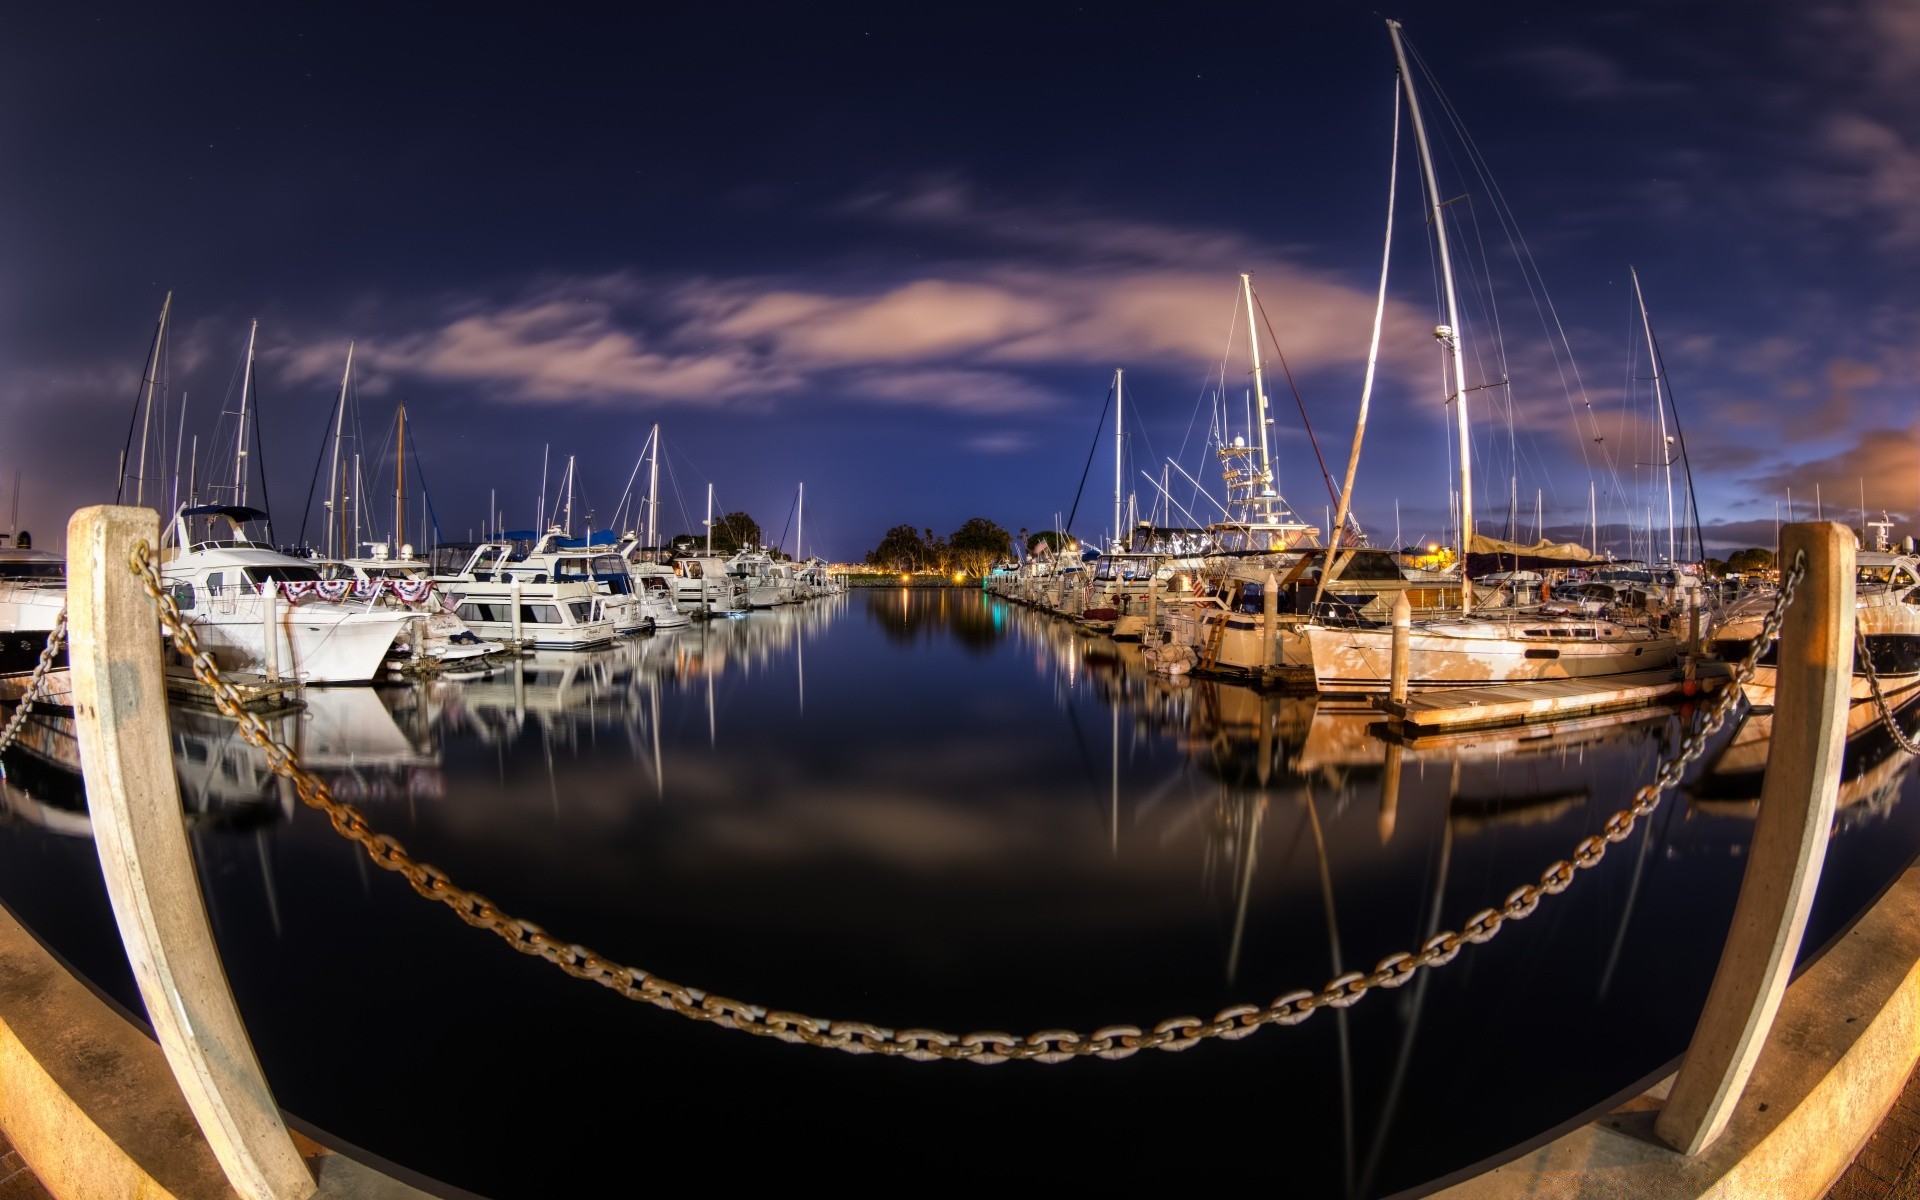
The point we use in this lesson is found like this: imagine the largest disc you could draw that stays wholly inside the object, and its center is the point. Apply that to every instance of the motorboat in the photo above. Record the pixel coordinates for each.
(501, 595)
(406, 584)
(33, 593)
(234, 593)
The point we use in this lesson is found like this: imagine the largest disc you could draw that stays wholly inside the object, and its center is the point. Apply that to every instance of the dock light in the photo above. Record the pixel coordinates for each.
(1433, 547)
(959, 576)
(905, 579)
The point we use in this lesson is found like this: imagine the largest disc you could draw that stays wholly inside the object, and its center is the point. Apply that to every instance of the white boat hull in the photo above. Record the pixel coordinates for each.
(1361, 660)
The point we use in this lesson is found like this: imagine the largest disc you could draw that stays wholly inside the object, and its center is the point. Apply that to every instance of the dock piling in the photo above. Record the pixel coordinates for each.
(1402, 649)
(1815, 670)
(120, 712)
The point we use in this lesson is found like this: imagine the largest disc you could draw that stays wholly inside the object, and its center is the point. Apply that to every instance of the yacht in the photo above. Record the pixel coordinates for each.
(406, 584)
(703, 585)
(33, 591)
(232, 589)
(552, 614)
(575, 560)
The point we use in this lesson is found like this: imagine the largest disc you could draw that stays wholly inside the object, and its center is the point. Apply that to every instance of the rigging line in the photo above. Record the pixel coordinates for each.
(1074, 511)
(1686, 466)
(426, 493)
(153, 348)
(1233, 321)
(788, 525)
(1326, 476)
(325, 428)
(260, 458)
(1530, 269)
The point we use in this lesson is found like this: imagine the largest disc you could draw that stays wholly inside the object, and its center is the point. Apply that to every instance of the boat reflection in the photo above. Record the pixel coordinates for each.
(350, 737)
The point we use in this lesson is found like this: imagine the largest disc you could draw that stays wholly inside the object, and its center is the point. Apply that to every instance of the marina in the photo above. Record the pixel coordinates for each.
(676, 583)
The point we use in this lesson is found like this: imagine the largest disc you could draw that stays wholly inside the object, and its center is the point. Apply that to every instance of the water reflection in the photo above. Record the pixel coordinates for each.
(930, 807)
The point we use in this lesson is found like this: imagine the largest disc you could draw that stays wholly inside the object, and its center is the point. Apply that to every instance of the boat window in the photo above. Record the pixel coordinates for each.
(216, 581)
(30, 571)
(1585, 633)
(692, 569)
(474, 610)
(288, 574)
(540, 614)
(582, 610)
(1536, 633)
(182, 596)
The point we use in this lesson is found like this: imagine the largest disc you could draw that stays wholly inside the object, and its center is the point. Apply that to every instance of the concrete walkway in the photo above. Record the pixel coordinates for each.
(1888, 1167)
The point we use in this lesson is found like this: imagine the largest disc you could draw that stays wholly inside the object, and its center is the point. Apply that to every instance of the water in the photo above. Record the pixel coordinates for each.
(903, 807)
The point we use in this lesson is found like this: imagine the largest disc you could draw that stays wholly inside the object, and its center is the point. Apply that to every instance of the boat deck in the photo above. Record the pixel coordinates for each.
(1536, 700)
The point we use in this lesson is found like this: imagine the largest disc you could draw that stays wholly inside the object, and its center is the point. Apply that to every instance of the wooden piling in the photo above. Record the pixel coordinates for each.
(1789, 840)
(121, 718)
(1402, 664)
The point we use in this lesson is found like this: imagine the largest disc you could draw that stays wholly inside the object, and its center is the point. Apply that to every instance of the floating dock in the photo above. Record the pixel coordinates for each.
(1532, 701)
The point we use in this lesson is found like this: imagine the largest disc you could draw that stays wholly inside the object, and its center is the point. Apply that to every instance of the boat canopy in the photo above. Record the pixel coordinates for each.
(604, 537)
(1494, 554)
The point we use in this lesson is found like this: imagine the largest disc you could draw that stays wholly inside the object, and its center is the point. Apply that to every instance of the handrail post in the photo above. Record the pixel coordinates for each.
(121, 718)
(1815, 672)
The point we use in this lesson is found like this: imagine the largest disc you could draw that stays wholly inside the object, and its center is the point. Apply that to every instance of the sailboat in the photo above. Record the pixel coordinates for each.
(1470, 651)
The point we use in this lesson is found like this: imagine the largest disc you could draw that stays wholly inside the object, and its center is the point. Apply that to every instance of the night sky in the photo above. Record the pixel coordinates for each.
(897, 251)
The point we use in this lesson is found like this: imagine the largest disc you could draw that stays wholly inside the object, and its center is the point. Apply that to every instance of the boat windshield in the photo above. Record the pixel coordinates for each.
(34, 572)
(287, 574)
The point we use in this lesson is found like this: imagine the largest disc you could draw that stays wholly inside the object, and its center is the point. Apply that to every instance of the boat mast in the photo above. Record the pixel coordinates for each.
(337, 512)
(240, 446)
(1119, 405)
(800, 526)
(1265, 482)
(709, 521)
(399, 478)
(1448, 334)
(653, 489)
(1659, 403)
(569, 513)
(146, 422)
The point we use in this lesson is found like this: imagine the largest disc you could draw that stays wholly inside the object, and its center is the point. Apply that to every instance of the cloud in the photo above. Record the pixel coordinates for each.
(959, 390)
(966, 334)
(999, 443)
(1865, 170)
(1583, 74)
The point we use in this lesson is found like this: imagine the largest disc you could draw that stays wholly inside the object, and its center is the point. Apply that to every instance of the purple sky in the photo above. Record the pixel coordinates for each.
(898, 254)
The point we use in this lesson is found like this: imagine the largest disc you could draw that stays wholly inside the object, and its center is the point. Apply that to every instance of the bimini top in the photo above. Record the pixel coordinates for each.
(239, 514)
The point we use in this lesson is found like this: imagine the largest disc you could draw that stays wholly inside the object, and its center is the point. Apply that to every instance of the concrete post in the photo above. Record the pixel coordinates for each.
(269, 627)
(1402, 665)
(120, 715)
(1789, 840)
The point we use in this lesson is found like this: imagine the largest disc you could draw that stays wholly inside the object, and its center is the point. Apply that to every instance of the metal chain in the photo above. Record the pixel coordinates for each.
(37, 686)
(1863, 658)
(925, 1045)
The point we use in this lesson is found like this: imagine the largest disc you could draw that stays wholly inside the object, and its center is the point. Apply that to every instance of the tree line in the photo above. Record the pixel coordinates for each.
(972, 548)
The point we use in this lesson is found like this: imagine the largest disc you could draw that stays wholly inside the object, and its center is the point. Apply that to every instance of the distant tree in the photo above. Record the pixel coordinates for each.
(939, 554)
(977, 545)
(900, 550)
(1750, 560)
(1714, 566)
(735, 531)
(1048, 538)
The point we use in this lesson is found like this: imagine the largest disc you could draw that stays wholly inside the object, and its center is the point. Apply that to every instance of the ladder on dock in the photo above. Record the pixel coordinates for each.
(1210, 657)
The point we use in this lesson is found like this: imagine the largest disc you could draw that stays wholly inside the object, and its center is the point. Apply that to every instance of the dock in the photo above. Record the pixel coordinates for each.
(1532, 701)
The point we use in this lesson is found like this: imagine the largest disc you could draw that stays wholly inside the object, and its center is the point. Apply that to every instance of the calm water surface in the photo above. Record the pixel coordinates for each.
(932, 808)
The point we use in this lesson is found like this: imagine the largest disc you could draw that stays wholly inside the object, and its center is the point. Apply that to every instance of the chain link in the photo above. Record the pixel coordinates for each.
(37, 686)
(1863, 659)
(926, 1045)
